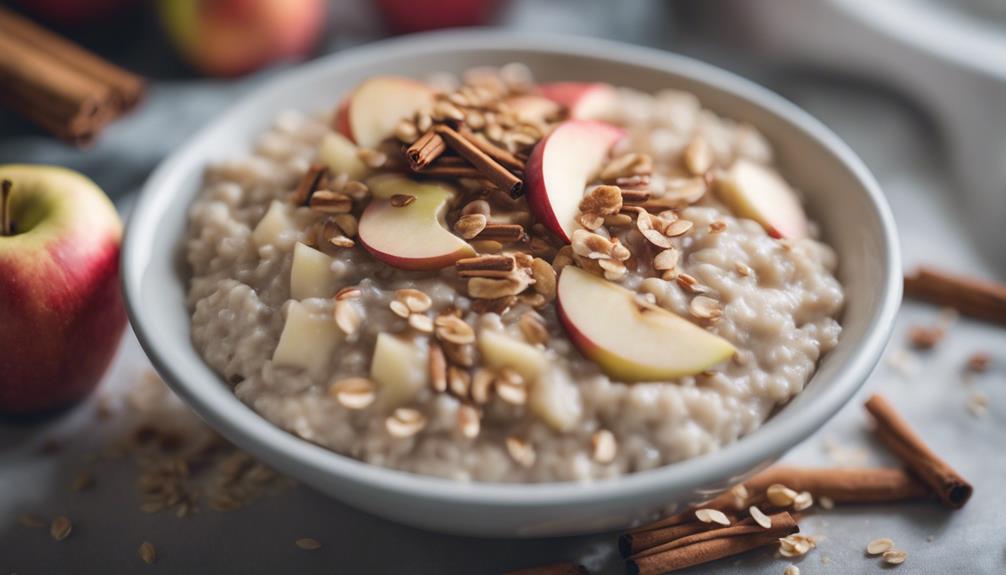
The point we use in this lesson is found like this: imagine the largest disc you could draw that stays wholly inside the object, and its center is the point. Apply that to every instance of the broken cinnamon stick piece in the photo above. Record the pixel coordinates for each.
(427, 148)
(495, 152)
(980, 299)
(952, 489)
(711, 545)
(485, 266)
(490, 168)
(638, 541)
(502, 233)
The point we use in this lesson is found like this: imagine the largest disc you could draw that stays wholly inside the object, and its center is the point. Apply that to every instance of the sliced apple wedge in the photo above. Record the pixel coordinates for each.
(584, 100)
(413, 236)
(399, 369)
(311, 273)
(273, 224)
(629, 339)
(758, 192)
(307, 340)
(340, 155)
(369, 114)
(555, 398)
(502, 351)
(559, 168)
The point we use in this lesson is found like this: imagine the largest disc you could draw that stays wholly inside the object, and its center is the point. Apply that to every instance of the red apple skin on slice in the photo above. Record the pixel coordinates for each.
(559, 168)
(61, 311)
(411, 237)
(630, 340)
(370, 113)
(584, 100)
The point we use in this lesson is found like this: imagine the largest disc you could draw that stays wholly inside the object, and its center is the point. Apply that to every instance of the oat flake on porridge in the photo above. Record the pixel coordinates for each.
(510, 282)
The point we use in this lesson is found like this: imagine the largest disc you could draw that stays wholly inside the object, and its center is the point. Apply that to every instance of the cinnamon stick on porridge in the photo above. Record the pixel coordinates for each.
(952, 489)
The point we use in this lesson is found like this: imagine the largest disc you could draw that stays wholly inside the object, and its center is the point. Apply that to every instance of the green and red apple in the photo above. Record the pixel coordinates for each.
(632, 340)
(61, 312)
(412, 236)
(233, 37)
(559, 168)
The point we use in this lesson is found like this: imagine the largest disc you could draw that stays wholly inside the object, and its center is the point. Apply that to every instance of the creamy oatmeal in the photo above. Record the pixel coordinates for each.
(494, 280)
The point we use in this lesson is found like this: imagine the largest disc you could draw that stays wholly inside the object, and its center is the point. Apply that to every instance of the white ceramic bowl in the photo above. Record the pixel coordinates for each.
(841, 195)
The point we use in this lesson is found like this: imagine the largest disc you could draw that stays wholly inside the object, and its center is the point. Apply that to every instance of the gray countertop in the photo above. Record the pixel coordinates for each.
(899, 146)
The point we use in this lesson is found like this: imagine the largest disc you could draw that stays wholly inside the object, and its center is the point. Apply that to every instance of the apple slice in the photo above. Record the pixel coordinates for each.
(414, 236)
(584, 100)
(399, 369)
(371, 112)
(311, 273)
(340, 155)
(273, 225)
(556, 399)
(758, 192)
(629, 339)
(560, 167)
(502, 351)
(307, 340)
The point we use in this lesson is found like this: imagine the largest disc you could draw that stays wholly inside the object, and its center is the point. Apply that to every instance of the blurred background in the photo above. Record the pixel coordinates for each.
(916, 87)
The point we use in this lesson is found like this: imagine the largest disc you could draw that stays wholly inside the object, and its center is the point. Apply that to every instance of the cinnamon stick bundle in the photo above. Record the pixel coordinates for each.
(973, 297)
(58, 85)
(489, 167)
(710, 545)
(952, 489)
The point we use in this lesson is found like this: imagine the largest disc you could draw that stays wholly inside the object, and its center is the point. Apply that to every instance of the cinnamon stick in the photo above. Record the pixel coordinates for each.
(552, 569)
(842, 485)
(423, 151)
(980, 299)
(504, 157)
(126, 88)
(489, 167)
(451, 172)
(635, 542)
(952, 489)
(710, 545)
(502, 233)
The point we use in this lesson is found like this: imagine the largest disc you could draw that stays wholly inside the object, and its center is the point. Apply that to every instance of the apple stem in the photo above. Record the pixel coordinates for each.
(5, 224)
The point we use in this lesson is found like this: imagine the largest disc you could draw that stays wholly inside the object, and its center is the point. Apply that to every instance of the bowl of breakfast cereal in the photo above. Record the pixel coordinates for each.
(501, 285)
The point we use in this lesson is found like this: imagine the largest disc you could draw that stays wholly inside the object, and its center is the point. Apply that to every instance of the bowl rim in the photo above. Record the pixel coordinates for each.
(247, 428)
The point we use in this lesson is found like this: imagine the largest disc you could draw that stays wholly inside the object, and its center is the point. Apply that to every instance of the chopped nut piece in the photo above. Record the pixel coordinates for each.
(562, 258)
(717, 226)
(742, 269)
(328, 202)
(740, 493)
(791, 570)
(511, 387)
(468, 421)
(599, 202)
(356, 190)
(879, 546)
(712, 516)
(521, 451)
(826, 502)
(604, 446)
(348, 224)
(421, 323)
(489, 288)
(698, 156)
(544, 278)
(372, 158)
(895, 557)
(402, 200)
(406, 132)
(925, 337)
(666, 259)
(689, 283)
(618, 220)
(405, 422)
(60, 528)
(476, 207)
(627, 165)
(399, 308)
(459, 381)
(347, 315)
(978, 362)
(453, 329)
(348, 293)
(796, 545)
(481, 387)
(470, 226)
(759, 517)
(978, 404)
(147, 552)
(460, 354)
(437, 365)
(678, 228)
(353, 392)
(341, 242)
(444, 110)
(415, 300)
(802, 501)
(780, 495)
(308, 544)
(533, 327)
(704, 307)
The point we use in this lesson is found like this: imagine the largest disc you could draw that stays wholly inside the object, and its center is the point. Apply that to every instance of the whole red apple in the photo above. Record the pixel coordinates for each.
(61, 313)
(232, 37)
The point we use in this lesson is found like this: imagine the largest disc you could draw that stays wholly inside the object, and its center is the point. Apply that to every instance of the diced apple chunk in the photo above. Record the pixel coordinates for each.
(502, 351)
(556, 400)
(273, 224)
(340, 155)
(311, 273)
(308, 339)
(399, 369)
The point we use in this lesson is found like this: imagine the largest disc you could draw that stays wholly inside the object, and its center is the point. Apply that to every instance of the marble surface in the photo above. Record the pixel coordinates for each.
(897, 143)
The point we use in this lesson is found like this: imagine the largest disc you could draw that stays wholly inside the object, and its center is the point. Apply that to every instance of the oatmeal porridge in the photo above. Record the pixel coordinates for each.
(488, 279)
